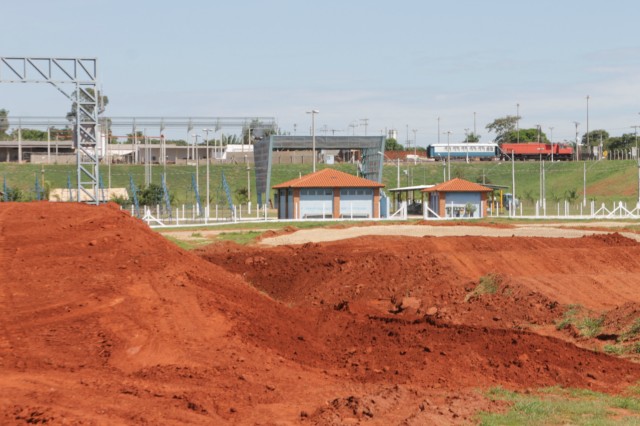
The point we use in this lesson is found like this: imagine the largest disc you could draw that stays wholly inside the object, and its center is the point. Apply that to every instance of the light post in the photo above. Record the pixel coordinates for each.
(415, 147)
(588, 145)
(206, 142)
(313, 113)
(195, 148)
(577, 150)
(474, 123)
(448, 132)
(518, 123)
(366, 122)
(248, 185)
(551, 130)
(638, 162)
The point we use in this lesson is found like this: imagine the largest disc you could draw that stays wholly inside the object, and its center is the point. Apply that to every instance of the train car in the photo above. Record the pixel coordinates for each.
(536, 151)
(463, 151)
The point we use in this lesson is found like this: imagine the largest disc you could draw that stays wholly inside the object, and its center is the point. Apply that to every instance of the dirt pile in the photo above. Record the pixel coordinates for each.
(104, 321)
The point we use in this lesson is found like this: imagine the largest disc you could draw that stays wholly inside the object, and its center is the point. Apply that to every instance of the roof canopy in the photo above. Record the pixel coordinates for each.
(329, 178)
(458, 185)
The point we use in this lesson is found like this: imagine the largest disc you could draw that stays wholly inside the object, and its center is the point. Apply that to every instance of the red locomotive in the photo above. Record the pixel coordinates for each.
(537, 151)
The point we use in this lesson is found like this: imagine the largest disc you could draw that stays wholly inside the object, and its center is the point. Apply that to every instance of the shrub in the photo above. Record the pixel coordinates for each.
(489, 284)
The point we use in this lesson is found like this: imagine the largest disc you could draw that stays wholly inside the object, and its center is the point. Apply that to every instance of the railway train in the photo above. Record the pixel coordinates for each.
(493, 151)
(537, 151)
(464, 151)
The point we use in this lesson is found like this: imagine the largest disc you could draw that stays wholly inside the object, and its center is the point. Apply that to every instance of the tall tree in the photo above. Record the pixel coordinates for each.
(4, 123)
(595, 136)
(472, 137)
(392, 145)
(626, 141)
(502, 126)
(257, 130)
(525, 135)
(101, 100)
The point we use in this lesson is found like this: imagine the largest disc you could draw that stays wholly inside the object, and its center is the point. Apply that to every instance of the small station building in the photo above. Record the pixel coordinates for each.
(328, 193)
(457, 198)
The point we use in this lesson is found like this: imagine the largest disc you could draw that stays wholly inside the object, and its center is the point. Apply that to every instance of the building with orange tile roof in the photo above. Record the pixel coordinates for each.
(458, 198)
(328, 193)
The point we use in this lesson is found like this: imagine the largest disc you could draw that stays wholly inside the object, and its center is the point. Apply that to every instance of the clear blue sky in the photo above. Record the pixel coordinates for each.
(398, 64)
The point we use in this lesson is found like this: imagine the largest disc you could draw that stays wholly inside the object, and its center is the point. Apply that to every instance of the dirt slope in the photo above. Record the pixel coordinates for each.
(105, 322)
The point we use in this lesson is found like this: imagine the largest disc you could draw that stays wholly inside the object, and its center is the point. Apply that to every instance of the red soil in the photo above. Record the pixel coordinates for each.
(106, 322)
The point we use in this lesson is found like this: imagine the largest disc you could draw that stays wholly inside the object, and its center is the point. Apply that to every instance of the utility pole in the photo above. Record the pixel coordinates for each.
(513, 185)
(415, 148)
(206, 142)
(584, 183)
(551, 129)
(448, 132)
(638, 163)
(577, 147)
(474, 124)
(366, 123)
(518, 123)
(313, 113)
(588, 145)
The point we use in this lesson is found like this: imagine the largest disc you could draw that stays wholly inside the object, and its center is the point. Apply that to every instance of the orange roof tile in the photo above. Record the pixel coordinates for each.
(329, 178)
(458, 185)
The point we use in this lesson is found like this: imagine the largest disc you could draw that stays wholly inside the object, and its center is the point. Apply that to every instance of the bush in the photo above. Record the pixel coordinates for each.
(489, 284)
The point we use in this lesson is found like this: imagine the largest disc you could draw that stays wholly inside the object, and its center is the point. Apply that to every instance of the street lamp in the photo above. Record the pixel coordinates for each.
(248, 185)
(206, 142)
(588, 145)
(551, 130)
(195, 147)
(577, 148)
(313, 113)
(518, 123)
(448, 132)
(415, 146)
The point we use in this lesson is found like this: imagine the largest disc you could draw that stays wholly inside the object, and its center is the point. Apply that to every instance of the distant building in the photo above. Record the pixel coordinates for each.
(458, 198)
(328, 193)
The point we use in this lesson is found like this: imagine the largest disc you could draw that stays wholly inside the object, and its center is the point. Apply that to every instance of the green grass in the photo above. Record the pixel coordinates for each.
(633, 331)
(239, 237)
(489, 284)
(590, 326)
(569, 316)
(607, 181)
(576, 315)
(559, 406)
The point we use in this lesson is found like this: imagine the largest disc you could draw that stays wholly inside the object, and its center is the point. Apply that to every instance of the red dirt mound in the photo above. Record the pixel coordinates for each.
(105, 322)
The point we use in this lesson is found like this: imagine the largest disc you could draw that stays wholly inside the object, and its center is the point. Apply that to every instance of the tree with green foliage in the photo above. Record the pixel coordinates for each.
(4, 123)
(230, 140)
(101, 100)
(30, 135)
(525, 136)
(152, 195)
(472, 137)
(13, 194)
(256, 131)
(502, 126)
(626, 141)
(242, 195)
(392, 145)
(595, 137)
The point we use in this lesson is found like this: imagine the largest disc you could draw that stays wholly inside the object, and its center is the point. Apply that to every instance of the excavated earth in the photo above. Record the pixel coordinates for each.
(104, 321)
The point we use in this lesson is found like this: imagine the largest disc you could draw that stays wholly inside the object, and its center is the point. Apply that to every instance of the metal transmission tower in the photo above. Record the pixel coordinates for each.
(81, 72)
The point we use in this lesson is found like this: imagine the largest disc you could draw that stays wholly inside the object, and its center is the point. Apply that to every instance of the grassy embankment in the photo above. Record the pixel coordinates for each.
(606, 181)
